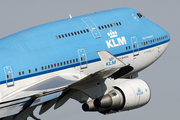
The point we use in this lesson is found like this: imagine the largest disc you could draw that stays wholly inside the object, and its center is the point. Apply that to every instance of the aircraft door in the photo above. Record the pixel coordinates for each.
(9, 76)
(82, 58)
(92, 27)
(135, 46)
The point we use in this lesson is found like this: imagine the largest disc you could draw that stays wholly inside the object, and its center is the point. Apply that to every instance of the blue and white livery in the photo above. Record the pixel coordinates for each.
(94, 59)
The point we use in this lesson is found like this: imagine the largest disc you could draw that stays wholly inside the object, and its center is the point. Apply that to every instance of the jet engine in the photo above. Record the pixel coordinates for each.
(127, 95)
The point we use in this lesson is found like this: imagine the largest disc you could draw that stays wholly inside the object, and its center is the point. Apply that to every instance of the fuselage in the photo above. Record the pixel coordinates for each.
(32, 55)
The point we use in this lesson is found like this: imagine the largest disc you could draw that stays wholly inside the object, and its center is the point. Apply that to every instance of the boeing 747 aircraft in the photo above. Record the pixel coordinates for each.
(94, 59)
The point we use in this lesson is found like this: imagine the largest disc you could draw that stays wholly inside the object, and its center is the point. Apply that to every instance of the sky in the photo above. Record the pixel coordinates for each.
(162, 76)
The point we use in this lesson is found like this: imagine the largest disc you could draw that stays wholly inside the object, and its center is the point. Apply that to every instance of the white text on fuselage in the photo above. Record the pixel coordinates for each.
(115, 42)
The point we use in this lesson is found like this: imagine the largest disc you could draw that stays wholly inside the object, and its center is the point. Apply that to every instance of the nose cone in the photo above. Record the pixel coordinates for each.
(163, 40)
(163, 32)
(155, 29)
(160, 36)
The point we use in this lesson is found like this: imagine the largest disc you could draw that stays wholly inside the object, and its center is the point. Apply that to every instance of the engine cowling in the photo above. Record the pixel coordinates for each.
(127, 95)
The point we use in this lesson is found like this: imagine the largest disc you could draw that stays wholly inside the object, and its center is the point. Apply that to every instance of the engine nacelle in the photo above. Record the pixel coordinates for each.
(127, 95)
(136, 92)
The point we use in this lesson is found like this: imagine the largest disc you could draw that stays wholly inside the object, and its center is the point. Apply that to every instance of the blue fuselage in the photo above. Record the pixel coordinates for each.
(74, 42)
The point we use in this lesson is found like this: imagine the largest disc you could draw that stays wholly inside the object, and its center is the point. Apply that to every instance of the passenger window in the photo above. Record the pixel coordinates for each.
(63, 36)
(73, 60)
(102, 27)
(42, 68)
(58, 64)
(45, 67)
(23, 72)
(114, 24)
(108, 25)
(99, 27)
(29, 71)
(134, 46)
(35, 69)
(54, 64)
(69, 34)
(78, 32)
(119, 23)
(84, 31)
(56, 37)
(76, 59)
(75, 33)
(87, 30)
(51, 65)
(81, 31)
(67, 62)
(105, 26)
(61, 64)
(19, 73)
(59, 36)
(72, 34)
(81, 59)
(48, 66)
(66, 35)
(70, 61)
(111, 25)
(64, 63)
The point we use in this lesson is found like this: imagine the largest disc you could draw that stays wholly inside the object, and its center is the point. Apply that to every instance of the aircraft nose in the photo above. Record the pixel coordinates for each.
(162, 32)
(167, 36)
(157, 30)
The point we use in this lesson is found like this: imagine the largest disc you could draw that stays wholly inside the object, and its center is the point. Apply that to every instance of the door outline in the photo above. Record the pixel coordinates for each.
(135, 46)
(9, 76)
(82, 58)
(92, 27)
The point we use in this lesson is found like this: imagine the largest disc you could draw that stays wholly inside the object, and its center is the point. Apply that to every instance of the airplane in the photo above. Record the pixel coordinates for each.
(94, 59)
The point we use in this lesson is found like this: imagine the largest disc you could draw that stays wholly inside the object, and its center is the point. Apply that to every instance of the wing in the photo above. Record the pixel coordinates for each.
(57, 90)
(20, 105)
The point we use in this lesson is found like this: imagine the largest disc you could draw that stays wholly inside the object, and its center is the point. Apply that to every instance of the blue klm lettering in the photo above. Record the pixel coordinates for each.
(111, 62)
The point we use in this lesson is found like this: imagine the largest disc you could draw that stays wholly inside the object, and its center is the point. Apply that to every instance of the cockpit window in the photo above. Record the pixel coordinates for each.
(139, 15)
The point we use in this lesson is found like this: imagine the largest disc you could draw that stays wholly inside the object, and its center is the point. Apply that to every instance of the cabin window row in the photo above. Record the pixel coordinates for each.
(109, 25)
(154, 40)
(53, 66)
(72, 34)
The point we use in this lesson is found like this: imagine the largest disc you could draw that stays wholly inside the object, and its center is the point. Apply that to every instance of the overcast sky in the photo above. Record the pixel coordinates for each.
(162, 76)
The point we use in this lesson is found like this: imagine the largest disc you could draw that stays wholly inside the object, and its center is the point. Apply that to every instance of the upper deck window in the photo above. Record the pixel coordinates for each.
(139, 15)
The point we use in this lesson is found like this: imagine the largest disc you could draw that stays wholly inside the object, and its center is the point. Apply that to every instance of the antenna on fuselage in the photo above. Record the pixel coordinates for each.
(70, 16)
